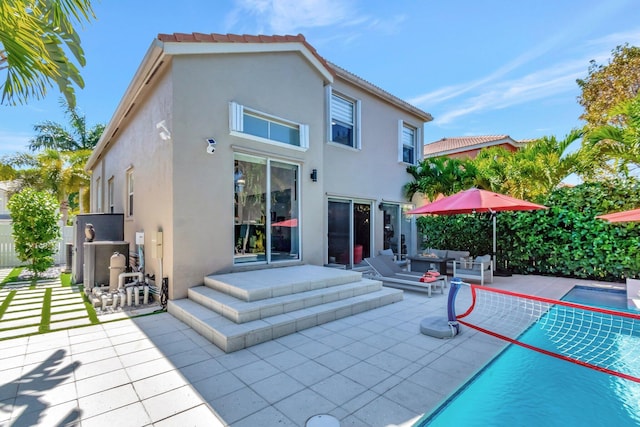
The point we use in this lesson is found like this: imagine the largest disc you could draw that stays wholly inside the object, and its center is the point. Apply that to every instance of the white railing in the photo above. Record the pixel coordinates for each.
(7, 249)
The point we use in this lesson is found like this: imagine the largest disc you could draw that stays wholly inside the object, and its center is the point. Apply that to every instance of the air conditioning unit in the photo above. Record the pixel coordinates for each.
(97, 256)
(107, 227)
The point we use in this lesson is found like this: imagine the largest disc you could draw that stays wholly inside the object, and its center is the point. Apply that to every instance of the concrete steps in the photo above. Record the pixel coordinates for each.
(238, 310)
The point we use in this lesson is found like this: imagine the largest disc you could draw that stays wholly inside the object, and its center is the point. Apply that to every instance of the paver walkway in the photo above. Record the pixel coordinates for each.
(373, 369)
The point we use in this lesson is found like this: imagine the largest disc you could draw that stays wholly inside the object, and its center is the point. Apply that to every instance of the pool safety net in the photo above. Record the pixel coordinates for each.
(601, 339)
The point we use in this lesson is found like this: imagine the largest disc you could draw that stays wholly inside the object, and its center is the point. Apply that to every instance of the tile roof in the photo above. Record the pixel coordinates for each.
(333, 69)
(463, 143)
(244, 38)
(359, 81)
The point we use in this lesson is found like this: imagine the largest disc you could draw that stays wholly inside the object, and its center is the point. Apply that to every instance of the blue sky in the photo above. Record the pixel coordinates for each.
(479, 67)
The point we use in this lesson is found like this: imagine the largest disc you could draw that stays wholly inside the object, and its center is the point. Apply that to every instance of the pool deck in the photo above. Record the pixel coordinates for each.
(371, 369)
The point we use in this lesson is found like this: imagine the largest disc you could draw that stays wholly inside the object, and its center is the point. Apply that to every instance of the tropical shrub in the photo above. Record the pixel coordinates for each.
(35, 219)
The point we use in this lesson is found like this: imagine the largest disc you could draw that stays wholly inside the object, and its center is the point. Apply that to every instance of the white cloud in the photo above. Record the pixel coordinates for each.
(13, 142)
(289, 16)
(610, 41)
(534, 86)
(491, 93)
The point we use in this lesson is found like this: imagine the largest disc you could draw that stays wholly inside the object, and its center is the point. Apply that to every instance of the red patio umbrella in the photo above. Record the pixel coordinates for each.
(293, 222)
(475, 200)
(624, 216)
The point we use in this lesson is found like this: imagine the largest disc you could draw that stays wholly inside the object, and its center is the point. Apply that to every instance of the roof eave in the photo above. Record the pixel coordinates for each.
(365, 85)
(200, 48)
(152, 60)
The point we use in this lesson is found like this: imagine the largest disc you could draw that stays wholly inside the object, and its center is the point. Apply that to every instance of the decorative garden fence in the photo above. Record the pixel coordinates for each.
(8, 256)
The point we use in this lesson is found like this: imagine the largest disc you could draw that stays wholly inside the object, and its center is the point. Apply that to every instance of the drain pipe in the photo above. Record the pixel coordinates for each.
(129, 294)
(136, 295)
(123, 276)
(122, 289)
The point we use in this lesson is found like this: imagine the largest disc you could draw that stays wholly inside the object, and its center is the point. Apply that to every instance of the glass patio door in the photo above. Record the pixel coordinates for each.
(397, 229)
(266, 226)
(349, 232)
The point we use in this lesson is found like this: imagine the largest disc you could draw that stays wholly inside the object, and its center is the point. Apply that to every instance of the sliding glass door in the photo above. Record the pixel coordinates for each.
(266, 207)
(349, 232)
(397, 229)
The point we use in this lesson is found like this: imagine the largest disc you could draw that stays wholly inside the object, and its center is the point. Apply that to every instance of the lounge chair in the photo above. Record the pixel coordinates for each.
(403, 263)
(386, 270)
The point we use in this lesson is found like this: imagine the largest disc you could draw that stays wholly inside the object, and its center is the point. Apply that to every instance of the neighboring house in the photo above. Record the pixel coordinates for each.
(307, 167)
(6, 189)
(469, 146)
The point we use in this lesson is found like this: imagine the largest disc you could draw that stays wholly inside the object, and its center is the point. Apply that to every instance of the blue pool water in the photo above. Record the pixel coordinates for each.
(525, 388)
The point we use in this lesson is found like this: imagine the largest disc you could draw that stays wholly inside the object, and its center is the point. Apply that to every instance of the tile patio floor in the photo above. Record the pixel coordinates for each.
(371, 369)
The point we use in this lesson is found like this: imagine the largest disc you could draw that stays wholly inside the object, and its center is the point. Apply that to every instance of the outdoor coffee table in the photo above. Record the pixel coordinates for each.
(423, 263)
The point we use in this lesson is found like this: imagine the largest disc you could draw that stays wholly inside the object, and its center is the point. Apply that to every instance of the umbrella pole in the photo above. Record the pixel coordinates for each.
(493, 258)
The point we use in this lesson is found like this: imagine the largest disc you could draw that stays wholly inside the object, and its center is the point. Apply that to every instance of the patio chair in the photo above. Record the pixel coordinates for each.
(404, 263)
(480, 269)
(386, 270)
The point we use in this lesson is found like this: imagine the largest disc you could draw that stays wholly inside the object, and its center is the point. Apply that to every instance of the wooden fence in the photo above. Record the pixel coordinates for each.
(7, 249)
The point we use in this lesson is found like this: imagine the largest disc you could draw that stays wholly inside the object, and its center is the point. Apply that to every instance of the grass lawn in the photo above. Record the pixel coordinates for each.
(30, 306)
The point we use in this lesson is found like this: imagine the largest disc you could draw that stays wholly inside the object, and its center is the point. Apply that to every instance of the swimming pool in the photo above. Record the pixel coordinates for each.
(521, 387)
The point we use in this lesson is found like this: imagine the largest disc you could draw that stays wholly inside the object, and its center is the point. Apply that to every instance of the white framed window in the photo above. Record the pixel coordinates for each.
(249, 123)
(344, 122)
(408, 137)
(110, 195)
(130, 185)
(98, 195)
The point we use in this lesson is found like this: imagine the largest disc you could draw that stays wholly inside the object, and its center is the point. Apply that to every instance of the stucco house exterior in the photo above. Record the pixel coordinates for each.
(469, 146)
(253, 152)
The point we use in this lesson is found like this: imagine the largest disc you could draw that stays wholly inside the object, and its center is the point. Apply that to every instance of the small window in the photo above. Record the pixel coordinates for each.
(344, 121)
(408, 144)
(250, 123)
(130, 192)
(110, 195)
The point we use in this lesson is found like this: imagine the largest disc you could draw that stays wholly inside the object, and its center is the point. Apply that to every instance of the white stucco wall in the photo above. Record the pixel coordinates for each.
(189, 194)
(373, 172)
(140, 148)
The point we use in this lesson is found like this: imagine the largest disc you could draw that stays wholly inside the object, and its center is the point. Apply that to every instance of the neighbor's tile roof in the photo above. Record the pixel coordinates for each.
(461, 143)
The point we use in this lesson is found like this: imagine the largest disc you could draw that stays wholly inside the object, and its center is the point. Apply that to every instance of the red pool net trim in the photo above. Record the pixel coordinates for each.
(588, 336)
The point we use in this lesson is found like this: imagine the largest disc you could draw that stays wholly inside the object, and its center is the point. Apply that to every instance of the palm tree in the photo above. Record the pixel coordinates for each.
(35, 38)
(541, 165)
(621, 142)
(534, 170)
(55, 136)
(59, 173)
(440, 175)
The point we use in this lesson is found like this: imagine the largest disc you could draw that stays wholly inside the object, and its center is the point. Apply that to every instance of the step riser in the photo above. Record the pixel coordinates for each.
(281, 325)
(221, 284)
(291, 304)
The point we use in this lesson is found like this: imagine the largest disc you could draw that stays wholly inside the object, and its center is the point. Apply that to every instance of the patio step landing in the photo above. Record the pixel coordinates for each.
(238, 310)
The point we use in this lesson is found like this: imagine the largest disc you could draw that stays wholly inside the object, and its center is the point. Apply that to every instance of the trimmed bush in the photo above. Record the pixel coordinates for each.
(35, 217)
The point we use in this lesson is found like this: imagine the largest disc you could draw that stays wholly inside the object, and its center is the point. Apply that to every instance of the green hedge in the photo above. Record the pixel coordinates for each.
(565, 240)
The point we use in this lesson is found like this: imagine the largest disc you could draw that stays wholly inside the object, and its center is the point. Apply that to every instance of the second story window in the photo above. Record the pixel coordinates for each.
(252, 124)
(408, 144)
(344, 121)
